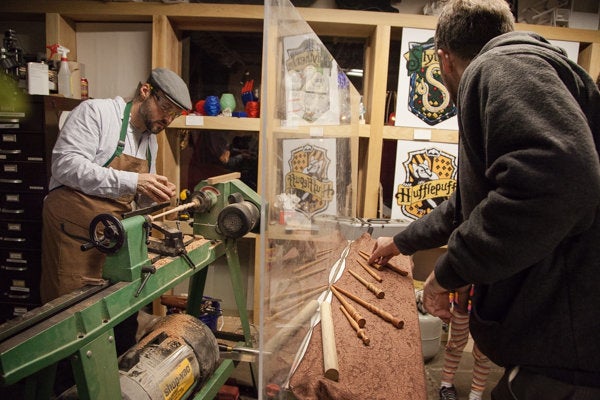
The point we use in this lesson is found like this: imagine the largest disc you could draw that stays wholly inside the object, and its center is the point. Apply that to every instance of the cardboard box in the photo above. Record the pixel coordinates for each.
(76, 69)
(424, 261)
(37, 78)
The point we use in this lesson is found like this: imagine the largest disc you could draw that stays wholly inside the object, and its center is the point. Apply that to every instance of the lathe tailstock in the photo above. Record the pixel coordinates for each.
(139, 268)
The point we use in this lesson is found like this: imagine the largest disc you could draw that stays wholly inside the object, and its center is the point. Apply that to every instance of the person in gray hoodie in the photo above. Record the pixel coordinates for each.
(523, 225)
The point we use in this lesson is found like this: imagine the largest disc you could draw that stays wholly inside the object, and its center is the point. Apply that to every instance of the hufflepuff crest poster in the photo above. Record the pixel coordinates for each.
(425, 176)
(423, 101)
(309, 174)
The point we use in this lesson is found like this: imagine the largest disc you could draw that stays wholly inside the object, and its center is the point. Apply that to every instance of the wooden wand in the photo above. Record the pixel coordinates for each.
(366, 256)
(397, 322)
(359, 331)
(379, 267)
(380, 294)
(351, 310)
(374, 274)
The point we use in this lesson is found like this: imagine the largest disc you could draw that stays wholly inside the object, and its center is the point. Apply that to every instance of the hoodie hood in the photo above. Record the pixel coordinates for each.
(525, 41)
(524, 44)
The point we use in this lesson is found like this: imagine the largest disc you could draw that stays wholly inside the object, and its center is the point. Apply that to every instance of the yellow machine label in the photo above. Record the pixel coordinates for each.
(176, 384)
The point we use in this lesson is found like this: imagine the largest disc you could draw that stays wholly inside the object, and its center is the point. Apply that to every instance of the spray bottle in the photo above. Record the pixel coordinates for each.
(64, 73)
(52, 69)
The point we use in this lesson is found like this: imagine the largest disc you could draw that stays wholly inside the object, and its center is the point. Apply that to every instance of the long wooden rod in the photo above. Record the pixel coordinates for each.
(330, 358)
(397, 322)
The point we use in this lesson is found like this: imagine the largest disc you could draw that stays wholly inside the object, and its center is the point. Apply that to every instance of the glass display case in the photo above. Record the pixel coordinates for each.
(331, 326)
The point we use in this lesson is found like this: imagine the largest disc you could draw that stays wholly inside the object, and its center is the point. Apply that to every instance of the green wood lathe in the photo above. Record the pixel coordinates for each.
(144, 259)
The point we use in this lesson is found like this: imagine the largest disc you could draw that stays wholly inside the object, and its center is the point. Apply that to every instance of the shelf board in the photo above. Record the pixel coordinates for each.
(406, 133)
(249, 18)
(219, 123)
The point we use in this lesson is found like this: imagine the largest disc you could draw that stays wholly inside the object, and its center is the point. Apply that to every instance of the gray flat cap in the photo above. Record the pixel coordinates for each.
(172, 86)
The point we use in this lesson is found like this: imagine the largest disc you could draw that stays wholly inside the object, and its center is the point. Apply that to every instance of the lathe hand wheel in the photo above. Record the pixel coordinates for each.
(107, 233)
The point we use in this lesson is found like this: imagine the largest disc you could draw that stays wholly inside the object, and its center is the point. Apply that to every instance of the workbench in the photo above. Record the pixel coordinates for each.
(391, 366)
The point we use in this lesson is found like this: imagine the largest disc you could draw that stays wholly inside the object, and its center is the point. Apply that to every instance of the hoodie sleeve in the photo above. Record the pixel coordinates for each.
(539, 167)
(430, 231)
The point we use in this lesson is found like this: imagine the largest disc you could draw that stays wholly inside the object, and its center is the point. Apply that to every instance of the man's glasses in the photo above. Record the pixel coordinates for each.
(165, 105)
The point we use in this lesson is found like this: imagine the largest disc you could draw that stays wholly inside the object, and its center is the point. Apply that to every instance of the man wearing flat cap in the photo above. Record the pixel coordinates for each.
(104, 161)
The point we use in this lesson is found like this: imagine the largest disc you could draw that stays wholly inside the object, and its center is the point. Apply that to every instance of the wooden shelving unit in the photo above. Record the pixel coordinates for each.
(169, 21)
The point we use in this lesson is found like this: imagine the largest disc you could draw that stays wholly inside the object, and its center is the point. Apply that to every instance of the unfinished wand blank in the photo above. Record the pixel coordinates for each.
(330, 358)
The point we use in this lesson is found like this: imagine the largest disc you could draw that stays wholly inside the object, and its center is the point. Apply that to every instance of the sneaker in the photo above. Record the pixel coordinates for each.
(448, 393)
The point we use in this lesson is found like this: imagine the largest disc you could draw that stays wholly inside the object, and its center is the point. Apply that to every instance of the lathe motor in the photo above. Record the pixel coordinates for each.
(180, 354)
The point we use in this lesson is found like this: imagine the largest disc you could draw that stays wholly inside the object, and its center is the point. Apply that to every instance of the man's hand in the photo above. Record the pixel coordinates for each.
(436, 299)
(156, 187)
(383, 250)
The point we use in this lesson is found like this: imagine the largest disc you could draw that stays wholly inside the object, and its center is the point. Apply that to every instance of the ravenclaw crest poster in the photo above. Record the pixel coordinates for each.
(423, 100)
(425, 177)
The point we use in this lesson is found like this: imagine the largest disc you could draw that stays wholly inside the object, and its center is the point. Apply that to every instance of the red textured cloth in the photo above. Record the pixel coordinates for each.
(391, 367)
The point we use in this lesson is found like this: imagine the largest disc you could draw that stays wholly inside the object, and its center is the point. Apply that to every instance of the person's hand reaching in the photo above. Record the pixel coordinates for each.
(383, 250)
(156, 187)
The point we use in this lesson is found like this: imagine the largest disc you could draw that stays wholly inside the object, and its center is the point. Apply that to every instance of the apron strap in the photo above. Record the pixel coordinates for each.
(121, 144)
(149, 157)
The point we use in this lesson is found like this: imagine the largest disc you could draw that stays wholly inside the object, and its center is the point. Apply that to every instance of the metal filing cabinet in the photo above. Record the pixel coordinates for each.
(28, 131)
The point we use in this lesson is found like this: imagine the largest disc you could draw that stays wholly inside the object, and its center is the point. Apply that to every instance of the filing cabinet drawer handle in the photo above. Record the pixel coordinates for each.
(15, 181)
(10, 239)
(18, 296)
(9, 211)
(9, 268)
(16, 151)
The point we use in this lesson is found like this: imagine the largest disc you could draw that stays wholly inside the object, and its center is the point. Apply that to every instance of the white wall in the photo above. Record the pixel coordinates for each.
(116, 57)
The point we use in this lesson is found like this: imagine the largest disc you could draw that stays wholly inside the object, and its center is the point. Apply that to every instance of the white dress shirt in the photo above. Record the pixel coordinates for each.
(88, 140)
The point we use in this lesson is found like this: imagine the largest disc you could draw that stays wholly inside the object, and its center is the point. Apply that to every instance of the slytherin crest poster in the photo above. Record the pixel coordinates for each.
(422, 101)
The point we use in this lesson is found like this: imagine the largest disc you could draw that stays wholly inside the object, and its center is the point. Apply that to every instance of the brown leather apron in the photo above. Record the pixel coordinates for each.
(67, 216)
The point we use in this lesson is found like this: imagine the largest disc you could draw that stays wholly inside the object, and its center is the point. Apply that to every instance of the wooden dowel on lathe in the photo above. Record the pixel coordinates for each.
(366, 257)
(380, 294)
(380, 267)
(397, 322)
(330, 358)
(351, 310)
(370, 271)
(359, 331)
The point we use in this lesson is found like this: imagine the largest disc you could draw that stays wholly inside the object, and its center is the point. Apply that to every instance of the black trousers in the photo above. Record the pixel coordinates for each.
(527, 385)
